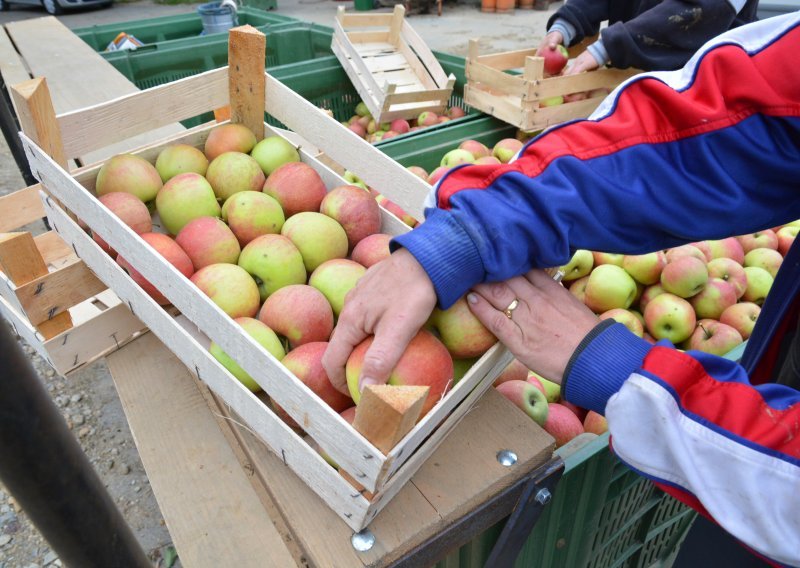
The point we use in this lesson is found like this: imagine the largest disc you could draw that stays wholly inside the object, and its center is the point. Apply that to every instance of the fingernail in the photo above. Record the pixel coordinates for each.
(472, 298)
(364, 381)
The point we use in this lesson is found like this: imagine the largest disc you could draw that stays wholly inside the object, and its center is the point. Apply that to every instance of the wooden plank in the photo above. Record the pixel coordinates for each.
(357, 62)
(208, 499)
(23, 328)
(424, 53)
(386, 62)
(55, 252)
(12, 67)
(370, 98)
(386, 413)
(396, 26)
(534, 71)
(37, 117)
(495, 79)
(20, 208)
(419, 70)
(539, 118)
(100, 125)
(507, 59)
(365, 20)
(246, 46)
(369, 37)
(434, 96)
(600, 78)
(504, 108)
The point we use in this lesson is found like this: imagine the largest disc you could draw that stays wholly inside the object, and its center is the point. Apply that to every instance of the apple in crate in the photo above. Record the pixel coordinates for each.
(250, 214)
(608, 258)
(562, 424)
(170, 250)
(609, 287)
(626, 318)
(713, 299)
(514, 371)
(456, 158)
(317, 237)
(713, 337)
(272, 152)
(684, 276)
(274, 262)
(595, 423)
(130, 174)
(645, 268)
(427, 118)
(455, 112)
(437, 174)
(356, 211)
(551, 101)
(766, 258)
(229, 138)
(527, 398)
(670, 317)
(130, 210)
(579, 265)
(648, 294)
(578, 288)
(731, 272)
(506, 149)
(207, 240)
(761, 239)
(335, 278)
(425, 362)
(460, 331)
(576, 410)
(684, 250)
(552, 391)
(400, 126)
(461, 367)
(183, 198)
(419, 172)
(232, 172)
(372, 249)
(230, 287)
(759, 283)
(264, 336)
(300, 313)
(534, 379)
(786, 236)
(297, 187)
(741, 317)
(555, 59)
(180, 159)
(477, 149)
(487, 160)
(726, 248)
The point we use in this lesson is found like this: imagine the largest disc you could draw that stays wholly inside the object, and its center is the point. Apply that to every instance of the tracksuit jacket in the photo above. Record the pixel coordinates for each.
(705, 152)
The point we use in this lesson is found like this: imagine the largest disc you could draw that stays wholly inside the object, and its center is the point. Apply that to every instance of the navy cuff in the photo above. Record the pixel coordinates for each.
(567, 30)
(446, 252)
(598, 369)
(598, 51)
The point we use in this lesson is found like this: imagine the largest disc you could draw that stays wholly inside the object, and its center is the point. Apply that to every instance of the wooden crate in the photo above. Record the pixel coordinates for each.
(390, 65)
(516, 98)
(50, 297)
(248, 90)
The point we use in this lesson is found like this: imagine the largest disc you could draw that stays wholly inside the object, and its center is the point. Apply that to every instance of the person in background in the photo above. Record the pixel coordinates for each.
(651, 35)
(706, 152)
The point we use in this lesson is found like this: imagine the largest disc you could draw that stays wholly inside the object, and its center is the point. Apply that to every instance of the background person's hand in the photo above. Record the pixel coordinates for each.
(584, 62)
(550, 41)
(392, 301)
(545, 328)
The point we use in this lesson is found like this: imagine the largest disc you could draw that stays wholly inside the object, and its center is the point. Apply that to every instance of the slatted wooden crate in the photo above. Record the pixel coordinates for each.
(516, 98)
(390, 65)
(248, 90)
(50, 297)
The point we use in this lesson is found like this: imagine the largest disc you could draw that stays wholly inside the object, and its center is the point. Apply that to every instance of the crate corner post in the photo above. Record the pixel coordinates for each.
(37, 117)
(246, 77)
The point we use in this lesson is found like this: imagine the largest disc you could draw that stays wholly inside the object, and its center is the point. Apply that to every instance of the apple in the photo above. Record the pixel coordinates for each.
(274, 262)
(608, 258)
(437, 174)
(726, 248)
(684, 276)
(272, 152)
(609, 287)
(551, 101)
(461, 367)
(264, 336)
(645, 268)
(533, 379)
(730, 271)
(759, 282)
(305, 362)
(575, 97)
(684, 250)
(648, 294)
(232, 172)
(460, 331)
(576, 410)
(527, 398)
(704, 248)
(317, 237)
(396, 210)
(579, 265)
(130, 210)
(578, 288)
(562, 424)
(551, 390)
(372, 249)
(250, 214)
(714, 337)
(300, 313)
(183, 198)
(400, 126)
(178, 159)
(229, 138)
(514, 371)
(207, 240)
(335, 278)
(487, 160)
(129, 174)
(425, 362)
(766, 258)
(760, 239)
(230, 287)
(595, 423)
(362, 109)
(427, 118)
(170, 250)
(455, 112)
(786, 236)
(358, 128)
(356, 211)
(626, 318)
(713, 299)
(670, 317)
(477, 149)
(457, 157)
(741, 317)
(506, 149)
(555, 59)
(297, 187)
(419, 172)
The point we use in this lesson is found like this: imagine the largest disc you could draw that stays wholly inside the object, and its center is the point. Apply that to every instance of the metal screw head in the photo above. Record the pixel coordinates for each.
(543, 496)
(506, 458)
(363, 541)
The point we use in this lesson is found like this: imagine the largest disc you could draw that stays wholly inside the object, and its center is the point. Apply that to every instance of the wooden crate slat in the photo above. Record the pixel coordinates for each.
(369, 37)
(55, 252)
(246, 46)
(365, 20)
(103, 124)
(12, 67)
(369, 97)
(438, 96)
(495, 79)
(601, 78)
(20, 208)
(22, 327)
(356, 62)
(422, 74)
(424, 53)
(500, 107)
(386, 62)
(507, 59)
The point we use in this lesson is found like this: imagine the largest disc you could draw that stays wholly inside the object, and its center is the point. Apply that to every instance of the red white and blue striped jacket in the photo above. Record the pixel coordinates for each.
(705, 152)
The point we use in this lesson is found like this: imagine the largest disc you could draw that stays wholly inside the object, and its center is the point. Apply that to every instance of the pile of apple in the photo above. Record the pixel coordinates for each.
(258, 232)
(363, 124)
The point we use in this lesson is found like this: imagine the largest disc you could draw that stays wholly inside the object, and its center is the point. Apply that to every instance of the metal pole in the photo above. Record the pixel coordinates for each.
(48, 474)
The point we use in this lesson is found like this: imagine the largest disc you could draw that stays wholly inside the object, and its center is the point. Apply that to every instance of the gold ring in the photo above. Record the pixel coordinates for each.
(511, 307)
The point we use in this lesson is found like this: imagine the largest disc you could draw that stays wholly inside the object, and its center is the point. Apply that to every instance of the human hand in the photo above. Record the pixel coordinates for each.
(545, 328)
(584, 62)
(392, 301)
(551, 41)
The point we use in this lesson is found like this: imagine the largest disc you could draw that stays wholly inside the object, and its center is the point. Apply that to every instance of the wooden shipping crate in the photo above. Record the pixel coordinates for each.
(516, 98)
(50, 297)
(249, 91)
(390, 65)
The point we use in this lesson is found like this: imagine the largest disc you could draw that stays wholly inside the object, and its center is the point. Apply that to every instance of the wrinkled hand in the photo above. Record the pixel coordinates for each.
(392, 301)
(545, 328)
(584, 62)
(550, 41)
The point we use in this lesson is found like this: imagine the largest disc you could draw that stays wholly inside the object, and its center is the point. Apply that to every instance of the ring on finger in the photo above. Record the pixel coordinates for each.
(511, 307)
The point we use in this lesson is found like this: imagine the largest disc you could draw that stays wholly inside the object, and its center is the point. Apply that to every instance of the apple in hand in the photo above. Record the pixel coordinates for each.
(713, 337)
(731, 272)
(766, 258)
(609, 287)
(562, 424)
(759, 283)
(670, 317)
(263, 336)
(579, 265)
(527, 398)
(741, 317)
(555, 59)
(684, 276)
(713, 299)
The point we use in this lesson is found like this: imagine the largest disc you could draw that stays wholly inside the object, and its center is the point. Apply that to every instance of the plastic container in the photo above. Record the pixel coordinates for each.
(217, 17)
(364, 5)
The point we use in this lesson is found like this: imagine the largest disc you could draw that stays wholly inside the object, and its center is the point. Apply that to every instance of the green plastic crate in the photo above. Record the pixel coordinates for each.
(167, 28)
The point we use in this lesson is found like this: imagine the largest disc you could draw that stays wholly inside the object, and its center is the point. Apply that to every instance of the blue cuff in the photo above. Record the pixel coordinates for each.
(446, 252)
(598, 51)
(567, 30)
(601, 368)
